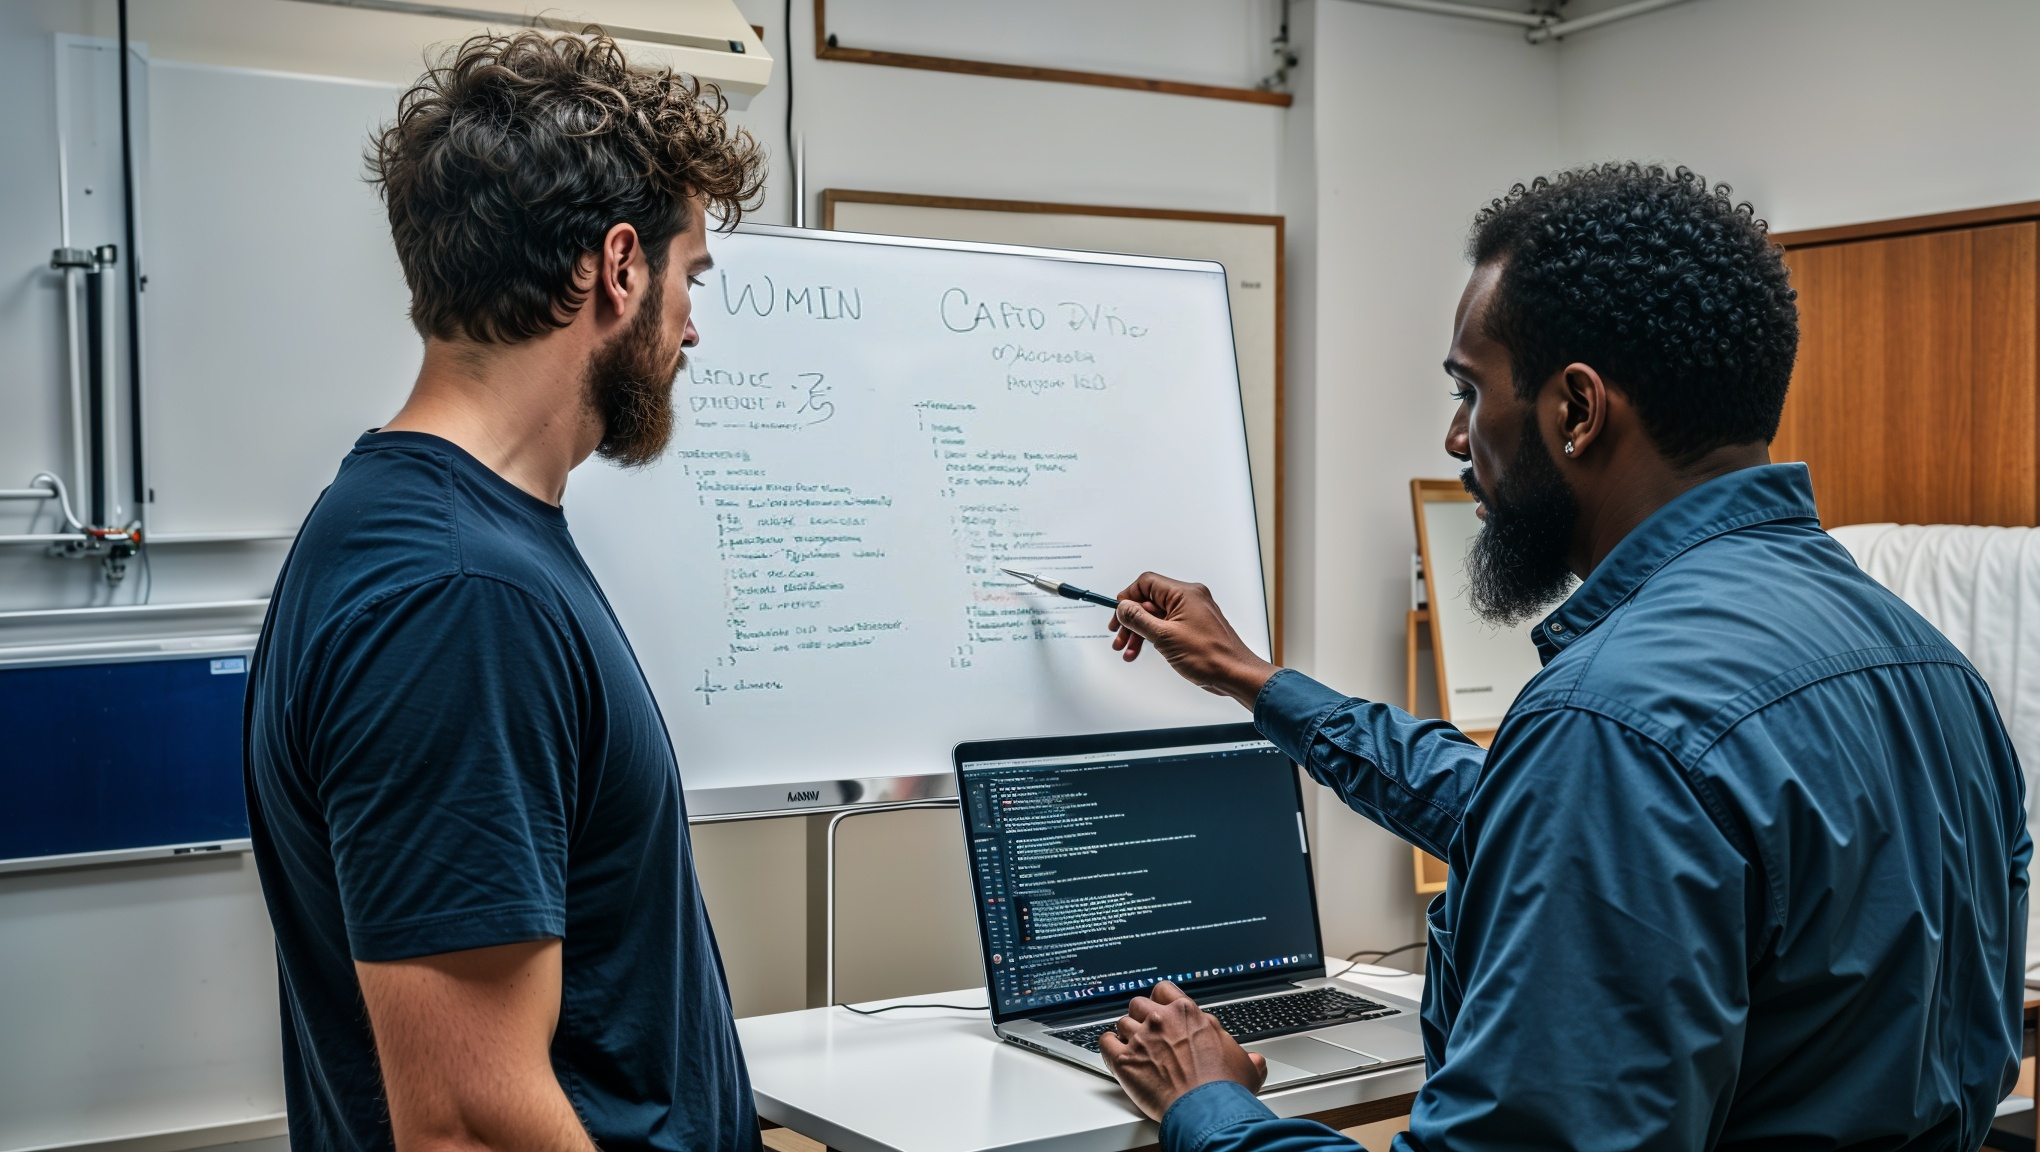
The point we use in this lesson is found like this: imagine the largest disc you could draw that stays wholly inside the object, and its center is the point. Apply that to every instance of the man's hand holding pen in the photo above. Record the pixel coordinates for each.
(1184, 624)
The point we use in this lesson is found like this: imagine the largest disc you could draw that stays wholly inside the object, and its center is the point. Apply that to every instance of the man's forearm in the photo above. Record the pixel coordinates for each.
(1411, 776)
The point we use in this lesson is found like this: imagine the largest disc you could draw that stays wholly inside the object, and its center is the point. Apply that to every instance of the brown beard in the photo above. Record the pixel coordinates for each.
(630, 386)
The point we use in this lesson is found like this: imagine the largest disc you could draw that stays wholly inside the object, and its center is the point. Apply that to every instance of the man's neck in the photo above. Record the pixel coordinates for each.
(519, 409)
(1648, 484)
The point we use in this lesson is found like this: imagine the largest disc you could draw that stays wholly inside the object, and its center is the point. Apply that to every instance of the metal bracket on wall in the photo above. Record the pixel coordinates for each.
(829, 894)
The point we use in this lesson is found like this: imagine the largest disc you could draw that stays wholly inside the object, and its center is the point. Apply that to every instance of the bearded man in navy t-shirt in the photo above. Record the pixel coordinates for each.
(467, 813)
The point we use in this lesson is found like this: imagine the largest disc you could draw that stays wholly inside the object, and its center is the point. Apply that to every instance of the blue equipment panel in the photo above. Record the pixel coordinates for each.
(112, 757)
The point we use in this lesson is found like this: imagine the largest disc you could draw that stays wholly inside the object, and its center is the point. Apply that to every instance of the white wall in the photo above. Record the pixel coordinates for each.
(904, 130)
(1417, 120)
(1819, 111)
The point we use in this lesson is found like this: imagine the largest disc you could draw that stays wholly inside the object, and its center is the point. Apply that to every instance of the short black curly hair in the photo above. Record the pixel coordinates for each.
(1662, 282)
(515, 154)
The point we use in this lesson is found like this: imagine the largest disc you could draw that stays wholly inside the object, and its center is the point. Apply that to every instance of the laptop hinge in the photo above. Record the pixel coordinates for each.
(1098, 1011)
(1252, 988)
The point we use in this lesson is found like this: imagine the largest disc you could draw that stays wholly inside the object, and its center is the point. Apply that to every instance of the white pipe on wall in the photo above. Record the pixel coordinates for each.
(81, 475)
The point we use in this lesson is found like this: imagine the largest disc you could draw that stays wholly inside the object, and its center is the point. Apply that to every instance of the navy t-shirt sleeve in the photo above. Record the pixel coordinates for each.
(445, 760)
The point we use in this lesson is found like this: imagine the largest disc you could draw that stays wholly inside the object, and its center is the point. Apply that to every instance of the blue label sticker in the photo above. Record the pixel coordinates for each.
(230, 666)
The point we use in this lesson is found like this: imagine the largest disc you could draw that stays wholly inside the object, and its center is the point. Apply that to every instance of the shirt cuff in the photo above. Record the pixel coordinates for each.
(1289, 710)
(455, 932)
(1206, 1109)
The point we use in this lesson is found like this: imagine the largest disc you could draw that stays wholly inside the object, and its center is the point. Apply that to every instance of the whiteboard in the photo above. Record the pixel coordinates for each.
(870, 428)
(1249, 247)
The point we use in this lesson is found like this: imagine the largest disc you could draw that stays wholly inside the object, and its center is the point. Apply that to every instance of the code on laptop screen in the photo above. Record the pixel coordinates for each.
(1103, 874)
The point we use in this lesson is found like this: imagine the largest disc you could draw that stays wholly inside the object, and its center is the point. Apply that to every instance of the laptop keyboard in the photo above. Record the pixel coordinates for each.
(1265, 1017)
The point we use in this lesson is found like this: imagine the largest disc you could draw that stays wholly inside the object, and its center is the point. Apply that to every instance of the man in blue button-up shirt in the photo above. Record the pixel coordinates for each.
(1746, 863)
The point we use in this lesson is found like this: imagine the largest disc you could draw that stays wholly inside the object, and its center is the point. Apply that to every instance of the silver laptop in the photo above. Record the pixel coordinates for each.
(1105, 864)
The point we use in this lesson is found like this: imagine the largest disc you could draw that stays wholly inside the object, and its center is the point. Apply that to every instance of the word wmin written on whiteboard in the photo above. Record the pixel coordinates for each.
(762, 297)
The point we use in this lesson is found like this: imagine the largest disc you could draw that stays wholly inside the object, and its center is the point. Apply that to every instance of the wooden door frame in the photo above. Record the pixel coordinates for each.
(1910, 225)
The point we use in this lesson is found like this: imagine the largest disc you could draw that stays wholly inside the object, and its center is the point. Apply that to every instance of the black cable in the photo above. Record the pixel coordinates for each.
(138, 488)
(134, 273)
(1355, 957)
(792, 210)
(96, 369)
(897, 1007)
(1353, 961)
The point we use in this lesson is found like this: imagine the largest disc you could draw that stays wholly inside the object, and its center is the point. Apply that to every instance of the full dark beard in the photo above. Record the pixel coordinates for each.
(1517, 565)
(630, 386)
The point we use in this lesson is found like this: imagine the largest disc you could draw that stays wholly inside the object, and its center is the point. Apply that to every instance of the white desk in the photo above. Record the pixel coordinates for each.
(930, 1080)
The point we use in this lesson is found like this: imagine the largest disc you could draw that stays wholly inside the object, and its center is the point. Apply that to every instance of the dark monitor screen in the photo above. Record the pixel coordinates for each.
(1098, 874)
(111, 757)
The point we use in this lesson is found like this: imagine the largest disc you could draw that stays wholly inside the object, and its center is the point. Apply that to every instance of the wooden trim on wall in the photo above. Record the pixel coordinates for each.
(1910, 225)
(826, 48)
(1278, 594)
(834, 196)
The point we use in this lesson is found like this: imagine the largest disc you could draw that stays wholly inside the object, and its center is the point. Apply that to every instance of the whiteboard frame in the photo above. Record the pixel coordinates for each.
(766, 801)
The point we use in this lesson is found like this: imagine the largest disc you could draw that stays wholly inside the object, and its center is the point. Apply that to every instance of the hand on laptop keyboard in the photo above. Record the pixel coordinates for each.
(1165, 1046)
(1262, 1018)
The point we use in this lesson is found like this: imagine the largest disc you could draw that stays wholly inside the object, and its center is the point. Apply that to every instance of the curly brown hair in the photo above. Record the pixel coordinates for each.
(514, 155)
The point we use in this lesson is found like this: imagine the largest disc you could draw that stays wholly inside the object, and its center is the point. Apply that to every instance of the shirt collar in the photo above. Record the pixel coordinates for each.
(1737, 500)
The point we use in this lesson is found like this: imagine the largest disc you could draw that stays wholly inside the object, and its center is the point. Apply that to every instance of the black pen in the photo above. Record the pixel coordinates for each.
(1068, 591)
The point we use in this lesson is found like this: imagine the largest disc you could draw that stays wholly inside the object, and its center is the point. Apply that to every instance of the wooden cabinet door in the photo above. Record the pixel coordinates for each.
(1915, 397)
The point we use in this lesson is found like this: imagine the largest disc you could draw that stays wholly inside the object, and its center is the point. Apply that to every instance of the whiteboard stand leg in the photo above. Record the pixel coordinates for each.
(829, 884)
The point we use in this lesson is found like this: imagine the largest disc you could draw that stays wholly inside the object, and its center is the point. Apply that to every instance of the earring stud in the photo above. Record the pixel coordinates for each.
(1568, 447)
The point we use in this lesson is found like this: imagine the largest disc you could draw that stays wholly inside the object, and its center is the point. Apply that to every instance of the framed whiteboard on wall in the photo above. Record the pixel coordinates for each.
(1250, 247)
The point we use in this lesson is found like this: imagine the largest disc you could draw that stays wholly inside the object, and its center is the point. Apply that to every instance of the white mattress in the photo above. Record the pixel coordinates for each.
(1981, 587)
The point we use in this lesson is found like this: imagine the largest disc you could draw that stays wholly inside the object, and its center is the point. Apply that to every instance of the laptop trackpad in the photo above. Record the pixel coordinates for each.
(1311, 1055)
(1388, 1039)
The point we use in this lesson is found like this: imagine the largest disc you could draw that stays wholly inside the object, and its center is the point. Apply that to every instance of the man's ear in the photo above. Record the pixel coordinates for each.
(621, 273)
(1583, 400)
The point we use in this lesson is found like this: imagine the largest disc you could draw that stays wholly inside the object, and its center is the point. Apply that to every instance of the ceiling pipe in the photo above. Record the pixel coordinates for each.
(1537, 27)
(1468, 11)
(1621, 12)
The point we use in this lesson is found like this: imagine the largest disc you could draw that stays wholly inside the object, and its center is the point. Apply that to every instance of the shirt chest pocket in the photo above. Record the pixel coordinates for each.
(1441, 977)
(1438, 920)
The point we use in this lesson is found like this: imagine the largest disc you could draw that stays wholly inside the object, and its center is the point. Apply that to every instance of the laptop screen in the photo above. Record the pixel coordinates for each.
(1101, 869)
